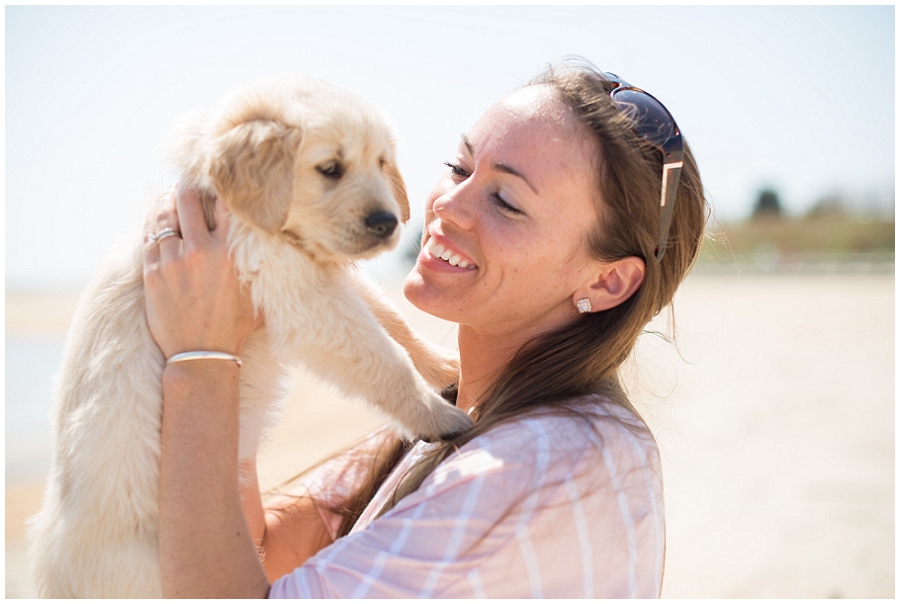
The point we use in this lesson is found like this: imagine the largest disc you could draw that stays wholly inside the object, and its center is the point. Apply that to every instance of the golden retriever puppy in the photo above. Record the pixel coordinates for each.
(308, 171)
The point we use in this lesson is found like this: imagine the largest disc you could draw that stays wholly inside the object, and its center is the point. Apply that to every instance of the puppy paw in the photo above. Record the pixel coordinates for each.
(440, 420)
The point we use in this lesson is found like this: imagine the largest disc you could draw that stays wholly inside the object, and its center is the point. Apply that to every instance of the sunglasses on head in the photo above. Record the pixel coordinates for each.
(653, 122)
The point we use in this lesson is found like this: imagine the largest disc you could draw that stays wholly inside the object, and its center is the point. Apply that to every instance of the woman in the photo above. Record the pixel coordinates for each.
(560, 229)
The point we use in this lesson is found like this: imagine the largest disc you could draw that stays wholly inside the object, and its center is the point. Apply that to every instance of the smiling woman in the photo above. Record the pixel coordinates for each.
(543, 242)
(518, 203)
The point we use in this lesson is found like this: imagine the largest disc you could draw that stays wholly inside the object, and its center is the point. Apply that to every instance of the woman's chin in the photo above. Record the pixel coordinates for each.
(414, 288)
(423, 296)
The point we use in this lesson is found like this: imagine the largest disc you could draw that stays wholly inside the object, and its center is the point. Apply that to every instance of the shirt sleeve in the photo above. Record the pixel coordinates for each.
(530, 510)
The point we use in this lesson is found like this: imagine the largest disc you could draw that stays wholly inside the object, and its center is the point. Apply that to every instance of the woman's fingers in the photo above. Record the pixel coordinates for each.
(163, 216)
(223, 220)
(168, 232)
(151, 252)
(169, 243)
(162, 213)
(194, 230)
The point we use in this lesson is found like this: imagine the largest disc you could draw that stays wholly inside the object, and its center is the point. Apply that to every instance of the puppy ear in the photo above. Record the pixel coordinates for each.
(399, 187)
(252, 169)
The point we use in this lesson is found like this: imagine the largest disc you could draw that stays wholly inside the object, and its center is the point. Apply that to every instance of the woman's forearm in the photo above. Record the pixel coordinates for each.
(205, 544)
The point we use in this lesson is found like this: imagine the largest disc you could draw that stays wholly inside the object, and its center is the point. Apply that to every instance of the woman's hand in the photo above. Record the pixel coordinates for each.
(194, 299)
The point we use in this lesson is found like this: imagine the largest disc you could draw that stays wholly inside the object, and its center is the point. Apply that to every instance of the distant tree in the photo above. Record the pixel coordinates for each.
(768, 205)
(830, 206)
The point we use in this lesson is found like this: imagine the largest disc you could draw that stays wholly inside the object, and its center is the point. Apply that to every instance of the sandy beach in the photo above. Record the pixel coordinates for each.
(773, 408)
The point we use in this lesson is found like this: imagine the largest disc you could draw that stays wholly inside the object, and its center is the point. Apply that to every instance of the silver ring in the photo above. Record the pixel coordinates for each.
(167, 232)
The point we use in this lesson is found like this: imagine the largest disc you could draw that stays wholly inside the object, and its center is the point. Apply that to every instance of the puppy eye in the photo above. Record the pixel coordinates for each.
(330, 170)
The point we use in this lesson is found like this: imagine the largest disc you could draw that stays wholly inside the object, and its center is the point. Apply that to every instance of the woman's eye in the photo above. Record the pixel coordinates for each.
(459, 173)
(504, 206)
(457, 170)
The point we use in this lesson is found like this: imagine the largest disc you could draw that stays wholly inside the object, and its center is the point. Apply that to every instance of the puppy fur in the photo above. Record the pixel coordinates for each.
(301, 164)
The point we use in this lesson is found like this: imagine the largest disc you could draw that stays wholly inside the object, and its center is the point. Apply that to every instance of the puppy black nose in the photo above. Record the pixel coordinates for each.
(381, 224)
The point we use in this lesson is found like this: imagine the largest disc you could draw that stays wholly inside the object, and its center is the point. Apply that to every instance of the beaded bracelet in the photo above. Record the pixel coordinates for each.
(202, 355)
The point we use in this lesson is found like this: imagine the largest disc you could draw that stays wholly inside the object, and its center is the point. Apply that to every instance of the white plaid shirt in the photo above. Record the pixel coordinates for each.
(540, 507)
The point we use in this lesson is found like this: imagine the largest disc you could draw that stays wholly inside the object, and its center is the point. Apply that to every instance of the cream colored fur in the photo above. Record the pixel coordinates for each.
(295, 235)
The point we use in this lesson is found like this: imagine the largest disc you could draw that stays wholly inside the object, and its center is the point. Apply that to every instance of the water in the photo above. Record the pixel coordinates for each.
(31, 364)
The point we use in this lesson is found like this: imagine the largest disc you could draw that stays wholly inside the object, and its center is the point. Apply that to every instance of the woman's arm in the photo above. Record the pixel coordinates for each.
(206, 548)
(195, 302)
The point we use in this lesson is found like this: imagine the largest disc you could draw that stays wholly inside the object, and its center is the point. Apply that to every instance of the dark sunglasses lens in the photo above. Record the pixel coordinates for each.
(651, 120)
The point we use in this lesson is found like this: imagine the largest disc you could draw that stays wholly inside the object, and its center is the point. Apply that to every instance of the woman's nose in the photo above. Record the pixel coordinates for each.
(456, 206)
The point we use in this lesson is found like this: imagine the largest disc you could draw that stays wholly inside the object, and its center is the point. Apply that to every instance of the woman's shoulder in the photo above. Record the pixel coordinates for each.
(542, 445)
(570, 426)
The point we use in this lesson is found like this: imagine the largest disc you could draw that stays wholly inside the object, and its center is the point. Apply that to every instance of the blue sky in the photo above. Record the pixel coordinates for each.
(796, 98)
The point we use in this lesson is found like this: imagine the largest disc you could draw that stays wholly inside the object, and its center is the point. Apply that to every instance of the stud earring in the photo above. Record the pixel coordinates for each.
(583, 305)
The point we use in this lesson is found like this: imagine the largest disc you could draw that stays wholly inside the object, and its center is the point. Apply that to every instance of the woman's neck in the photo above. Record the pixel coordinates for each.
(482, 359)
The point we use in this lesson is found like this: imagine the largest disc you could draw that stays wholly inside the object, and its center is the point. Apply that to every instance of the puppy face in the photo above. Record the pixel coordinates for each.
(314, 166)
(349, 196)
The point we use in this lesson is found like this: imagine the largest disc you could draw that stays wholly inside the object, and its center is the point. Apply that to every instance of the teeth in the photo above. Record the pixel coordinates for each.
(437, 250)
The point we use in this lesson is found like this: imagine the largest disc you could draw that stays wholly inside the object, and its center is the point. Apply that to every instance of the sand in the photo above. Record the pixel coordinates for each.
(774, 411)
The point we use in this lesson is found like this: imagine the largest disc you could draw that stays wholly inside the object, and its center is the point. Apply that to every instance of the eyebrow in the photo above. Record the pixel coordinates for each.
(500, 167)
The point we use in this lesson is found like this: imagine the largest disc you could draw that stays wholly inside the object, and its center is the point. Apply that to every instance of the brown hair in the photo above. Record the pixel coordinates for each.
(552, 370)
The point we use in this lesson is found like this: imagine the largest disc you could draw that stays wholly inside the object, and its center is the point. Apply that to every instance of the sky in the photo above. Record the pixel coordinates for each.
(799, 99)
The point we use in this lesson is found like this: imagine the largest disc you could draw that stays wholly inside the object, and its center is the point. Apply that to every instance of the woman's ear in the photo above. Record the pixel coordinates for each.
(616, 282)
